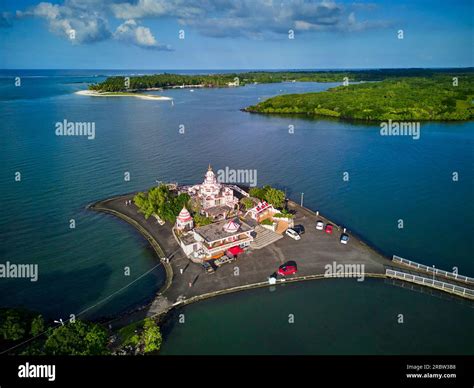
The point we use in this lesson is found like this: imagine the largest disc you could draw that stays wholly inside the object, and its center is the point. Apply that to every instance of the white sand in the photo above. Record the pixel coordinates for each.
(93, 93)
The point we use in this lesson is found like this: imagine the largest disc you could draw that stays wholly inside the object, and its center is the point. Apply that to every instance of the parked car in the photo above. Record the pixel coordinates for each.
(207, 267)
(344, 238)
(223, 260)
(320, 225)
(291, 233)
(289, 268)
(329, 229)
(298, 229)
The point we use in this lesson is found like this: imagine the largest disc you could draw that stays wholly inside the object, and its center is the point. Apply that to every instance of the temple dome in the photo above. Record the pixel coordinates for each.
(184, 215)
(210, 177)
(231, 226)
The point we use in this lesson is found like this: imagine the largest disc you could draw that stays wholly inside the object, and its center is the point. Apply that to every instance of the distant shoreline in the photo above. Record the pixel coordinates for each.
(93, 93)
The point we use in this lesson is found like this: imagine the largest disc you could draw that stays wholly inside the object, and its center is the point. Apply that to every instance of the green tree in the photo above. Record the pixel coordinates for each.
(37, 325)
(77, 338)
(12, 326)
(161, 201)
(257, 192)
(151, 336)
(200, 220)
(275, 197)
(248, 203)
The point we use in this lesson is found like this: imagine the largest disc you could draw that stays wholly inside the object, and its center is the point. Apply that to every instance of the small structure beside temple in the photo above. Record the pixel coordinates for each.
(261, 211)
(184, 221)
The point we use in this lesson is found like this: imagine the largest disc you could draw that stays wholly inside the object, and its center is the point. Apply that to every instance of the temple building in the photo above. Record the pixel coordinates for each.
(216, 201)
(216, 239)
(226, 235)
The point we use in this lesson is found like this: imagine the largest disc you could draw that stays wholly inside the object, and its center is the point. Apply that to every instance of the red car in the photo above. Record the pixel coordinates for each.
(328, 229)
(288, 268)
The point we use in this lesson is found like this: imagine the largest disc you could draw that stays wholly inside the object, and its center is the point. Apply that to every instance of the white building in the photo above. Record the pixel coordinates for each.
(215, 199)
(216, 239)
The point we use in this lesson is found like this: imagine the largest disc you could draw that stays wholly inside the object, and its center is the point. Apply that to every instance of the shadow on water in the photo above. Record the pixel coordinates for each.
(169, 322)
(63, 293)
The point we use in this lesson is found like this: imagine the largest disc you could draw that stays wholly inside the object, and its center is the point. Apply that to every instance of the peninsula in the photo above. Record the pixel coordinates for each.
(441, 97)
(214, 238)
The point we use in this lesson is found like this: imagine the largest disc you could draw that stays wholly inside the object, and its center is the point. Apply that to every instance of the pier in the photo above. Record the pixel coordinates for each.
(187, 282)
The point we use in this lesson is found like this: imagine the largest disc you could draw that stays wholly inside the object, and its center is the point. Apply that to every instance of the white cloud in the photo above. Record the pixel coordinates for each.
(157, 8)
(78, 25)
(131, 32)
(254, 19)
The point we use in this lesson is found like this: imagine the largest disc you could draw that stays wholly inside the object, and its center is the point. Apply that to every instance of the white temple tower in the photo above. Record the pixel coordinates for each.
(184, 221)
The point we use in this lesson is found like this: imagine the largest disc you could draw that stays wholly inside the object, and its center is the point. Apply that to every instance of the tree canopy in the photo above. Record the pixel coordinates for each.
(77, 338)
(435, 98)
(161, 201)
(270, 194)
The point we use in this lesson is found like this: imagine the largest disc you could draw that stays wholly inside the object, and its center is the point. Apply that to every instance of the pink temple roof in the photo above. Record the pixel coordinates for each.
(231, 226)
(184, 215)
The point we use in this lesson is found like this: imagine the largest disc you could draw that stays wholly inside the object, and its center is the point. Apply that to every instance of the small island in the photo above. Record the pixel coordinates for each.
(437, 98)
(94, 93)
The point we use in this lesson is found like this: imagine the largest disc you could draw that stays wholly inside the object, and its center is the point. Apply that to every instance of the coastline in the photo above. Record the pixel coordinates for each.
(93, 93)
(351, 120)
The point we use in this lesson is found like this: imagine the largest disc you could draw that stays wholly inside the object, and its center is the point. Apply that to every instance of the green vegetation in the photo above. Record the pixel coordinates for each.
(271, 195)
(77, 338)
(73, 338)
(283, 214)
(433, 98)
(14, 324)
(266, 221)
(144, 336)
(118, 84)
(151, 336)
(129, 336)
(37, 325)
(161, 201)
(248, 203)
(200, 220)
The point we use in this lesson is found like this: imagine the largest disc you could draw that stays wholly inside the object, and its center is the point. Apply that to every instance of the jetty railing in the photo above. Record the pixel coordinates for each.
(432, 270)
(443, 286)
(238, 189)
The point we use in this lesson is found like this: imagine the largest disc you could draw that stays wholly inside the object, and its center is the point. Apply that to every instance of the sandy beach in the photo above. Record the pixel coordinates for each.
(93, 93)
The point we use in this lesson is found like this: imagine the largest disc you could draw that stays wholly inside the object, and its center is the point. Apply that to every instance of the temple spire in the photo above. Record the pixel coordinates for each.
(209, 168)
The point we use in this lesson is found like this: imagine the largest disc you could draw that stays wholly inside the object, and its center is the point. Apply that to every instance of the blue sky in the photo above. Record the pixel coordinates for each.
(234, 34)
